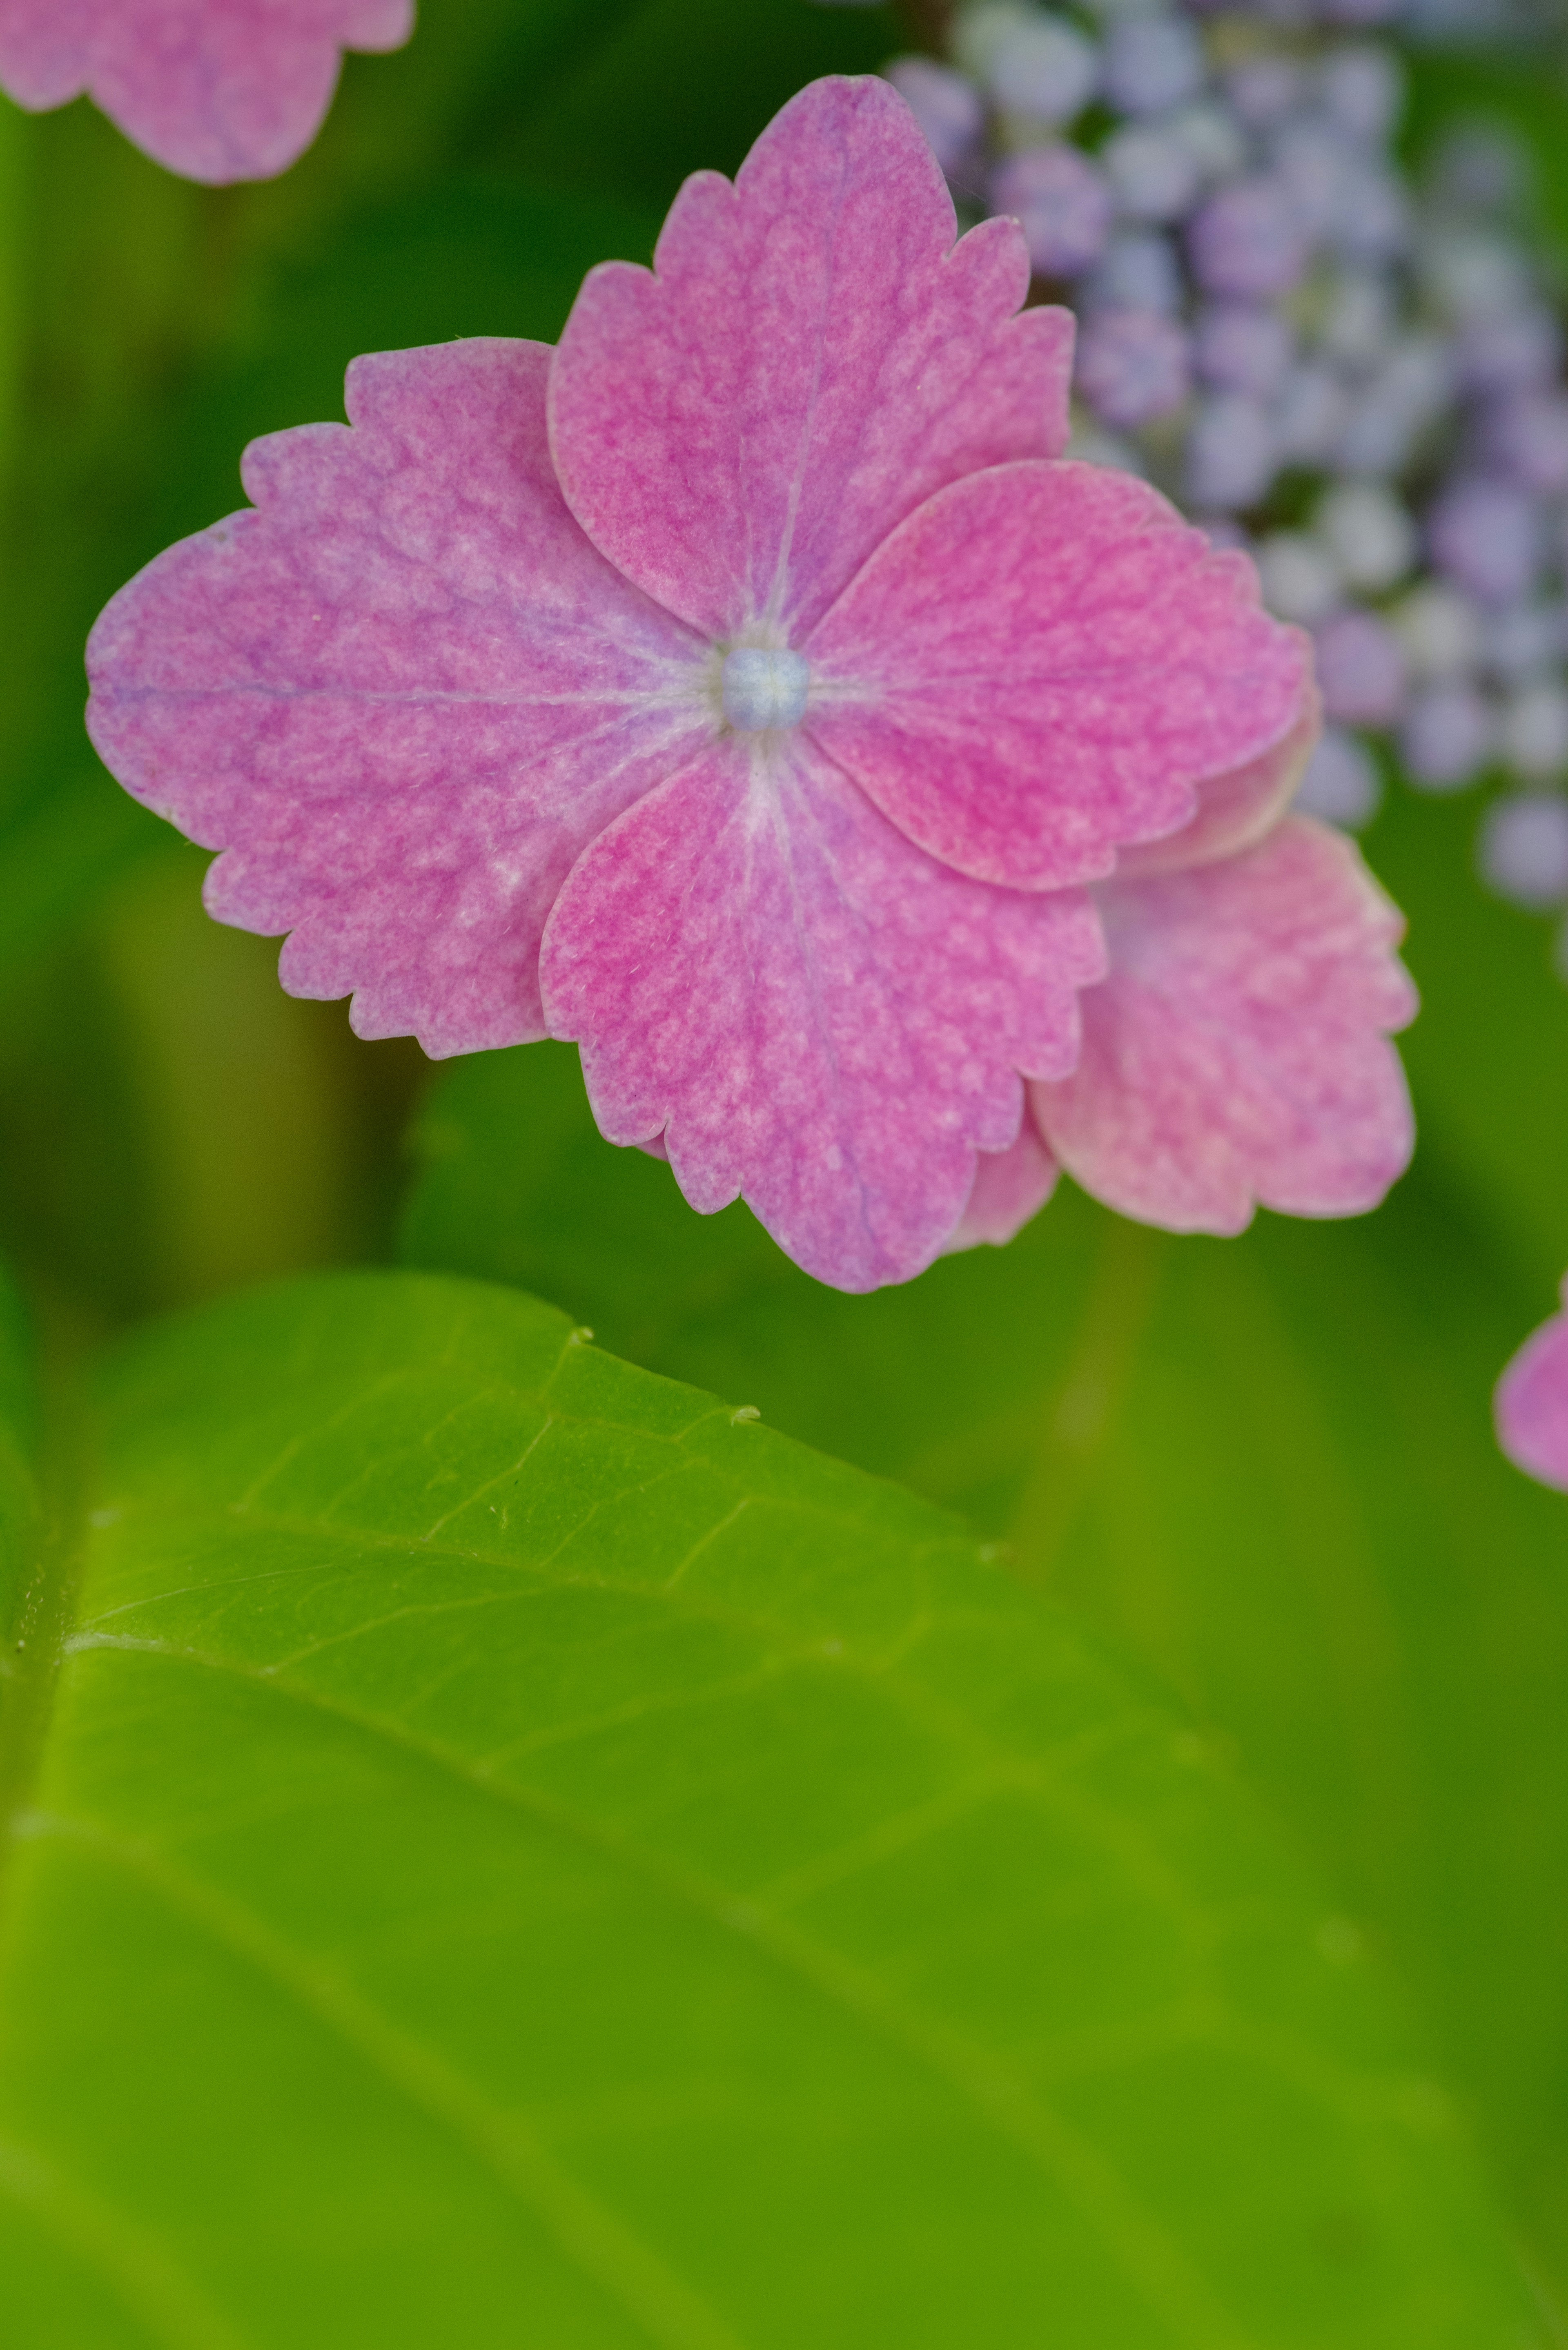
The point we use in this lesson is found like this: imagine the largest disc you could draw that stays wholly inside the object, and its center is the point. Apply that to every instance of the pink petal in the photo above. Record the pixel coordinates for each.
(811, 357)
(400, 696)
(216, 89)
(1236, 1052)
(1531, 1404)
(816, 1014)
(1010, 1186)
(1041, 665)
(1238, 808)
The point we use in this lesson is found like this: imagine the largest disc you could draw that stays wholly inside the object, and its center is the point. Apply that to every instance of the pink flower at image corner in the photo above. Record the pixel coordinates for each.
(215, 89)
(1531, 1405)
(745, 690)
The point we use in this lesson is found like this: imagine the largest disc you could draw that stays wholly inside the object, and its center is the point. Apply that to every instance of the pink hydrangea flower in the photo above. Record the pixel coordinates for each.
(1235, 1053)
(1532, 1403)
(742, 690)
(215, 90)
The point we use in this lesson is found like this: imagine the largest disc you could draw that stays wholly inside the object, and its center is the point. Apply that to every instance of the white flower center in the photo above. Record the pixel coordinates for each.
(764, 689)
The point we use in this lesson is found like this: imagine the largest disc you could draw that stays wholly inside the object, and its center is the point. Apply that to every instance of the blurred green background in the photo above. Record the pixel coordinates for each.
(1264, 1465)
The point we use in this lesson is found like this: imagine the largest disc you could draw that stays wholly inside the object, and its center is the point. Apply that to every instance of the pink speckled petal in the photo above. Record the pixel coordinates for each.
(1010, 1186)
(1532, 1403)
(400, 696)
(215, 90)
(1237, 1051)
(1041, 665)
(1238, 808)
(815, 1016)
(811, 357)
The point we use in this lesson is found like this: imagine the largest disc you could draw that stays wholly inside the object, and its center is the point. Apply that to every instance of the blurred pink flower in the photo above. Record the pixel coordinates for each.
(1532, 1403)
(1235, 1053)
(215, 90)
(741, 690)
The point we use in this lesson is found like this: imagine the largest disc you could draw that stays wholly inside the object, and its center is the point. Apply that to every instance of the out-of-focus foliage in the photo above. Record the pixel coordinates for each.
(638, 1881)
(1262, 1471)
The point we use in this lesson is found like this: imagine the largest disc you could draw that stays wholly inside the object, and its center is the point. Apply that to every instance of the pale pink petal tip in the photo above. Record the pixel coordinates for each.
(1531, 1404)
(1238, 1055)
(215, 90)
(1010, 1186)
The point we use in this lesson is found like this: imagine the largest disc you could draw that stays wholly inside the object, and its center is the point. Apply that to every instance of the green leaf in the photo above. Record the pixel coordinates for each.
(1267, 1466)
(524, 1853)
(18, 1494)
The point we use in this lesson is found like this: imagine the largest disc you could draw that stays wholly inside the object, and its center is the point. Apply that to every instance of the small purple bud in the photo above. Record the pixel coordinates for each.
(1523, 852)
(1152, 171)
(949, 109)
(1373, 219)
(1535, 730)
(1484, 534)
(1211, 136)
(1299, 578)
(1368, 533)
(1132, 366)
(1265, 90)
(1439, 629)
(1474, 276)
(1521, 643)
(1446, 738)
(1231, 453)
(1138, 271)
(1063, 203)
(1527, 438)
(1360, 316)
(1311, 163)
(1044, 70)
(1515, 352)
(1362, 89)
(1153, 63)
(1246, 241)
(1310, 415)
(1360, 669)
(1406, 394)
(1341, 785)
(1481, 168)
(1240, 347)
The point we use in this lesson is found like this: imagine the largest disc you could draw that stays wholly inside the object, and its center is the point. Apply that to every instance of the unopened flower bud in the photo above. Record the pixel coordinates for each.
(1063, 203)
(1247, 241)
(1341, 785)
(1360, 669)
(1446, 737)
(1523, 853)
(1132, 366)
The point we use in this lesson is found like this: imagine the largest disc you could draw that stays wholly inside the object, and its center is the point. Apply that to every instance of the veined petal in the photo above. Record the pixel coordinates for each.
(400, 695)
(1532, 1403)
(1239, 809)
(1010, 1186)
(1238, 1053)
(813, 1013)
(215, 90)
(810, 358)
(1040, 666)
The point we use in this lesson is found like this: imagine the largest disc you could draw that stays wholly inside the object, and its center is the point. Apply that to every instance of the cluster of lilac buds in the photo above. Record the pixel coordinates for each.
(1358, 379)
